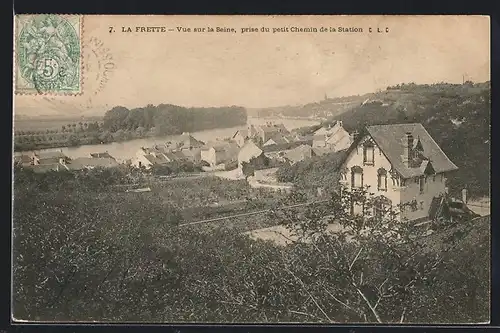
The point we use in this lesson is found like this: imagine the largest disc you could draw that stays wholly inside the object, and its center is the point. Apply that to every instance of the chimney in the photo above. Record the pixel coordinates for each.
(407, 143)
(354, 135)
(464, 195)
(340, 123)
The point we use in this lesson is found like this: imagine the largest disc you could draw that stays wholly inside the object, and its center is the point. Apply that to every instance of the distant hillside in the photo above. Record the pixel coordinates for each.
(457, 116)
(330, 107)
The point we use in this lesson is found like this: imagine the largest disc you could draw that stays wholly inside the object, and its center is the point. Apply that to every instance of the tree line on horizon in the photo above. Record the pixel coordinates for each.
(122, 124)
(168, 119)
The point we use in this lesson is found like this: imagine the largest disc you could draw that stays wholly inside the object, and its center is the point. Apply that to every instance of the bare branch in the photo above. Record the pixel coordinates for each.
(339, 301)
(355, 258)
(304, 314)
(402, 315)
(310, 295)
(382, 284)
(374, 311)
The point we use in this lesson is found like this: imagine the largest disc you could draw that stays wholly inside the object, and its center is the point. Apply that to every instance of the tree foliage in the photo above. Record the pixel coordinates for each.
(310, 174)
(167, 119)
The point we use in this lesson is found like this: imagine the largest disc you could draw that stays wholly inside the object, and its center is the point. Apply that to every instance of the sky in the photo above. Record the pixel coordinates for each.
(258, 70)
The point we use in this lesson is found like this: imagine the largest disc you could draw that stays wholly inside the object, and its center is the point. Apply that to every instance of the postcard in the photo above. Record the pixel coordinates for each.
(251, 169)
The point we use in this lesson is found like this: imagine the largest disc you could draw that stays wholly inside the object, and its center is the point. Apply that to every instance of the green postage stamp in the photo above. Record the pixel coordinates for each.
(48, 54)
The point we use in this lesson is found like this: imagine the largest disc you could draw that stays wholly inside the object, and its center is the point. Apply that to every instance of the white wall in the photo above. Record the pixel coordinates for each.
(434, 186)
(143, 161)
(370, 173)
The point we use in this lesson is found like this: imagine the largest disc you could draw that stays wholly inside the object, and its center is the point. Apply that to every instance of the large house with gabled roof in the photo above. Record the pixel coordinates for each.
(401, 164)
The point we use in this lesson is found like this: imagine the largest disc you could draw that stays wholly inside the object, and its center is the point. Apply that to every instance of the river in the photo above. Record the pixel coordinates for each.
(125, 150)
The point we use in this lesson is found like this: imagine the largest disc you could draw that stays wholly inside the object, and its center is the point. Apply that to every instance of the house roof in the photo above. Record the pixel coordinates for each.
(300, 153)
(187, 140)
(232, 151)
(285, 146)
(271, 128)
(91, 162)
(158, 159)
(49, 160)
(101, 155)
(249, 150)
(388, 139)
(177, 155)
(329, 129)
(191, 153)
(278, 139)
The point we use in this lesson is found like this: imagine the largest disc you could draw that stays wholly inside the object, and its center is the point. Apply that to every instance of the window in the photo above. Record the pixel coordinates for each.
(422, 184)
(357, 208)
(368, 154)
(382, 179)
(357, 177)
(434, 178)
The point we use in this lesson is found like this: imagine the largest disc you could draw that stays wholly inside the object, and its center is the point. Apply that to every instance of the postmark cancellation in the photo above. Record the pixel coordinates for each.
(47, 54)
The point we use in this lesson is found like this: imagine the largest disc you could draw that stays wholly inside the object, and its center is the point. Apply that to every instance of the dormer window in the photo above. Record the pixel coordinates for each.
(368, 153)
(382, 179)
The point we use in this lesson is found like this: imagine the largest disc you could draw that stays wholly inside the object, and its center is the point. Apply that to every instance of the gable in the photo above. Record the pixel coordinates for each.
(388, 138)
(354, 154)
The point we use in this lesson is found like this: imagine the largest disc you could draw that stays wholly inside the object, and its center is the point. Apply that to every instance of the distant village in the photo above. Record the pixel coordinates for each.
(271, 140)
(401, 163)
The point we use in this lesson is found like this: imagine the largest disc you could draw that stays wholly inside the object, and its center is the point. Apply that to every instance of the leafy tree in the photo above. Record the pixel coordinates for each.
(73, 140)
(248, 169)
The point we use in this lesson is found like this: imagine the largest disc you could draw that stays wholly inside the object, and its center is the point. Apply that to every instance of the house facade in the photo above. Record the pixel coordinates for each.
(400, 164)
(147, 157)
(334, 137)
(220, 152)
(240, 137)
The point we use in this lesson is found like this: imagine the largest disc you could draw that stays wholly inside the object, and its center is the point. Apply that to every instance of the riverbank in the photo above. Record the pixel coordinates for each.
(126, 149)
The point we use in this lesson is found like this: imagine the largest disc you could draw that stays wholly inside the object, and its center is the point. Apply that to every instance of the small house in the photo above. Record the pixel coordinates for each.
(299, 153)
(49, 157)
(333, 137)
(219, 152)
(247, 152)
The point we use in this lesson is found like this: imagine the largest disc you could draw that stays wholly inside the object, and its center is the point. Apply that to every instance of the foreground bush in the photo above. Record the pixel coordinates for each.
(82, 254)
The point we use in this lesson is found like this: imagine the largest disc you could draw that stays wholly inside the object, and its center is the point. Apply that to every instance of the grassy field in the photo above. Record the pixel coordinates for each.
(43, 124)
